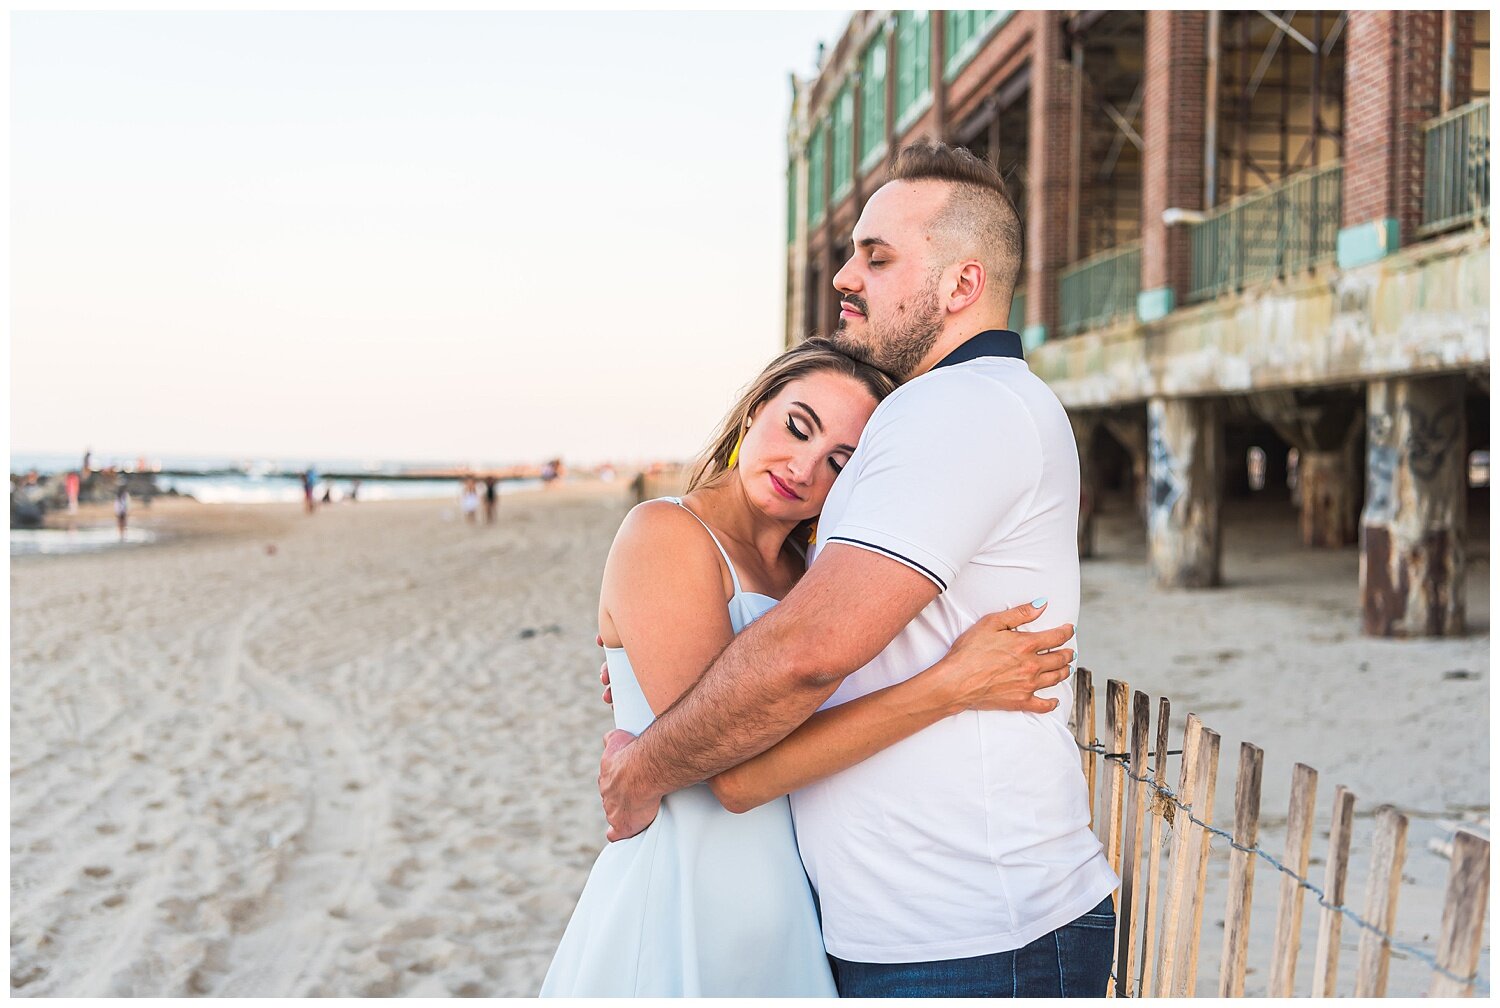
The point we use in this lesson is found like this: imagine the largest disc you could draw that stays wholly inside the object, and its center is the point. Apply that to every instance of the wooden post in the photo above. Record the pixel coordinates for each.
(1135, 816)
(1330, 925)
(1116, 694)
(1161, 809)
(1463, 915)
(1083, 728)
(1116, 699)
(1380, 902)
(1241, 872)
(1179, 866)
(1203, 809)
(1299, 825)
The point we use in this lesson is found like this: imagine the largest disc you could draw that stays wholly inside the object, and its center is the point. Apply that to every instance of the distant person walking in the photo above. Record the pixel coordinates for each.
(490, 499)
(70, 484)
(354, 491)
(122, 508)
(468, 500)
(552, 472)
(309, 480)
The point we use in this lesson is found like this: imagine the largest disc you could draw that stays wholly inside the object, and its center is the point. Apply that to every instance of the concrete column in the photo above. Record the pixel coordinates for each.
(1173, 113)
(1327, 508)
(1326, 436)
(1392, 84)
(1084, 426)
(1049, 167)
(1186, 462)
(1411, 560)
(1132, 437)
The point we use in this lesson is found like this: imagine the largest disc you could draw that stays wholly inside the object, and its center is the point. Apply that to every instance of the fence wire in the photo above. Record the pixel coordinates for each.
(1481, 987)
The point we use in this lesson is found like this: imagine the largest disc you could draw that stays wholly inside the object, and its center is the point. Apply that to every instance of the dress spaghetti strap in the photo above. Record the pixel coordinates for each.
(733, 574)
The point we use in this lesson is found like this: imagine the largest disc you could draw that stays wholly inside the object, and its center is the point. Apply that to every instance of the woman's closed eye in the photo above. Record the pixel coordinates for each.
(801, 435)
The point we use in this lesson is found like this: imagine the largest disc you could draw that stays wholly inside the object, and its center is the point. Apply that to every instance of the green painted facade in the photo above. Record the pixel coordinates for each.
(1155, 304)
(1367, 242)
(964, 32)
(913, 65)
(872, 104)
(817, 196)
(843, 142)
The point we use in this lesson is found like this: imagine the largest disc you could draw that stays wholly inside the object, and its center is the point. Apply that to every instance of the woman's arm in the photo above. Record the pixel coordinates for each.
(838, 738)
(664, 600)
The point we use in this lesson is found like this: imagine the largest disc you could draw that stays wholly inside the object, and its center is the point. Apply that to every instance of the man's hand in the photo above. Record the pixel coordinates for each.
(994, 666)
(628, 813)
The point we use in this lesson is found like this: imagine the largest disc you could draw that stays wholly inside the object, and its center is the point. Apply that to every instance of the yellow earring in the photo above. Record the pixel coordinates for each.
(734, 456)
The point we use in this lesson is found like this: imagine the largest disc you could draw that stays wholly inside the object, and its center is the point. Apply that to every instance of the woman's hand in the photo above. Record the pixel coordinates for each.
(994, 666)
(604, 674)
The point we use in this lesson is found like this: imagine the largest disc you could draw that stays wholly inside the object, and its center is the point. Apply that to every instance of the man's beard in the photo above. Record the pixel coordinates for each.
(897, 350)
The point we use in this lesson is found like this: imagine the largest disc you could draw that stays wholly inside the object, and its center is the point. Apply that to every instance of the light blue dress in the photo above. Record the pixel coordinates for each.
(704, 903)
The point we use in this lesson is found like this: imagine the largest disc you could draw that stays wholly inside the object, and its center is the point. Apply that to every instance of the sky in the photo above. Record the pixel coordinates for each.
(475, 236)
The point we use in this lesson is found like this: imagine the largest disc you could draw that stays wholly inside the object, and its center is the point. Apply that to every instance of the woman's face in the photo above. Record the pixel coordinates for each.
(799, 440)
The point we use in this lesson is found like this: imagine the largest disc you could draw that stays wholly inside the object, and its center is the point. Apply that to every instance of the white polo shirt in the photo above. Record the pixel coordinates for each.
(972, 836)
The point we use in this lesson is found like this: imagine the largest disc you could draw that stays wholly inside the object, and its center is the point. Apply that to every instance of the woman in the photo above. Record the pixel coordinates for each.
(706, 902)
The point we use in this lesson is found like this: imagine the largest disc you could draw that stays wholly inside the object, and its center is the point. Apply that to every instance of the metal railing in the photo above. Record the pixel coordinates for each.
(1099, 289)
(1456, 187)
(1274, 232)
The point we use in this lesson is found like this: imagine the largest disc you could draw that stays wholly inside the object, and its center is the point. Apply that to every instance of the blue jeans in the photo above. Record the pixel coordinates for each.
(1072, 961)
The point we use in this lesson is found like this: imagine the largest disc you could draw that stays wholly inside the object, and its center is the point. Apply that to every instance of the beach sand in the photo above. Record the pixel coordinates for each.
(363, 764)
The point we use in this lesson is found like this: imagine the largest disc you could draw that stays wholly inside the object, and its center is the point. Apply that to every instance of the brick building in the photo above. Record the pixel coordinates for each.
(1243, 234)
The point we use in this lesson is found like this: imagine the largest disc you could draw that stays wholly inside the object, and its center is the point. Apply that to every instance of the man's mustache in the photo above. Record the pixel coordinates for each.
(858, 302)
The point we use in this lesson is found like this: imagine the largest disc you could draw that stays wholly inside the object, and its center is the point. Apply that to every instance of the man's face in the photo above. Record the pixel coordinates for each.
(890, 311)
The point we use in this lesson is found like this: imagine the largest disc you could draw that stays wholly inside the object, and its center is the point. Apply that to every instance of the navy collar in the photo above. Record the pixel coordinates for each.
(990, 343)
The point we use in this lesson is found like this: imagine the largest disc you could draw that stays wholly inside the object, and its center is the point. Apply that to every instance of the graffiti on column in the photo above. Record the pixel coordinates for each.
(1429, 438)
(1165, 479)
(1379, 506)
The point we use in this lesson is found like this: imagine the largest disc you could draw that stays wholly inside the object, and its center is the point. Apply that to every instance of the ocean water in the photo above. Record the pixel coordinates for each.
(267, 481)
(26, 542)
(270, 489)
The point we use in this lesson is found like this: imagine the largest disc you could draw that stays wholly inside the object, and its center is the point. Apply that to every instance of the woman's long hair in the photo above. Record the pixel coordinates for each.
(808, 357)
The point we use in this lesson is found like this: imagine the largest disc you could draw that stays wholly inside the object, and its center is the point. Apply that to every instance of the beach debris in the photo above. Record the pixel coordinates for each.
(529, 632)
(270, 549)
(1460, 673)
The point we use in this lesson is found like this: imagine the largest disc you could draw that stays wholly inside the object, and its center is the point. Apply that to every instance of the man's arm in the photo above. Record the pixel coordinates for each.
(771, 677)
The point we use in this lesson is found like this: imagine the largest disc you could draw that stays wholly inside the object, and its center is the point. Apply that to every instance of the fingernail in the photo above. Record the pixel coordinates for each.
(1037, 603)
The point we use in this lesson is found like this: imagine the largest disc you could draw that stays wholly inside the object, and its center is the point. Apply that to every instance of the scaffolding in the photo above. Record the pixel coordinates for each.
(1278, 78)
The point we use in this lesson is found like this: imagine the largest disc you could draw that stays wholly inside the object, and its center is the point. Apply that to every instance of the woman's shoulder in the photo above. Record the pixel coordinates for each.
(662, 525)
(661, 543)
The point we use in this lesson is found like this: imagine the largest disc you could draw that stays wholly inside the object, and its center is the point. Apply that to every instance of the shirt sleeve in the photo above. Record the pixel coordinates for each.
(949, 467)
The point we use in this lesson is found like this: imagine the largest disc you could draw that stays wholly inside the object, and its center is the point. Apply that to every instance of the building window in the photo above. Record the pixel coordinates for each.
(964, 32)
(913, 66)
(815, 149)
(872, 105)
(843, 141)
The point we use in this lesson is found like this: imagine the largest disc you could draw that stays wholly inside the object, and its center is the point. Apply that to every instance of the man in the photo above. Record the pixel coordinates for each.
(959, 862)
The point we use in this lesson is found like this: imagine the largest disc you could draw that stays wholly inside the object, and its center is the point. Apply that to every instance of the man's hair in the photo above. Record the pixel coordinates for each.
(979, 217)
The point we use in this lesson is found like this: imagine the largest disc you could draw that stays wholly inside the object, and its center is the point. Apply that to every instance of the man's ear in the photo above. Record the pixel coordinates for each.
(968, 286)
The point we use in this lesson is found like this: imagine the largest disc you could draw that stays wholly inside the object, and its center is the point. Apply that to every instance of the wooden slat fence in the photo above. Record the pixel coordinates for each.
(1160, 903)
